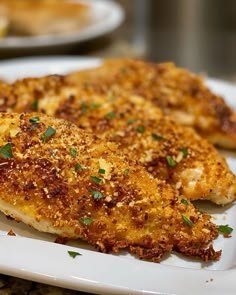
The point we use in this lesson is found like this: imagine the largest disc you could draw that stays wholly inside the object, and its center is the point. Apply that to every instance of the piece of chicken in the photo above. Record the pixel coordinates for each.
(60, 179)
(52, 17)
(166, 149)
(179, 93)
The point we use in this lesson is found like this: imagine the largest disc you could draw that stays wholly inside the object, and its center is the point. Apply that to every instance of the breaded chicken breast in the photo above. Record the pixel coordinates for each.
(52, 17)
(179, 93)
(60, 179)
(167, 150)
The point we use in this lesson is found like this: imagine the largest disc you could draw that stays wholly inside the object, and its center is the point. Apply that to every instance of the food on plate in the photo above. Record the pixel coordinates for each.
(49, 16)
(179, 93)
(167, 150)
(60, 179)
(3, 22)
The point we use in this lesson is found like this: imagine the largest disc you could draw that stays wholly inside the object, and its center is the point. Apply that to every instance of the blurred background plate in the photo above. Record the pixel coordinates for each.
(106, 16)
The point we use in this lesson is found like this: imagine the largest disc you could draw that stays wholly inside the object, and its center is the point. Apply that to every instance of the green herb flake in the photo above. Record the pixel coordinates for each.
(34, 120)
(48, 133)
(101, 171)
(35, 123)
(141, 129)
(126, 171)
(171, 162)
(96, 195)
(111, 115)
(96, 179)
(184, 201)
(187, 221)
(95, 105)
(225, 229)
(157, 136)
(34, 105)
(84, 107)
(86, 220)
(201, 211)
(6, 151)
(78, 167)
(185, 152)
(112, 97)
(73, 254)
(130, 121)
(73, 152)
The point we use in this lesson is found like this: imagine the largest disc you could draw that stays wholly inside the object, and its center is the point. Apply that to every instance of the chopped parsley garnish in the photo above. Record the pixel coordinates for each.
(126, 171)
(185, 152)
(225, 229)
(157, 136)
(112, 96)
(201, 211)
(34, 105)
(130, 121)
(184, 201)
(84, 108)
(171, 162)
(73, 152)
(33, 128)
(34, 120)
(48, 133)
(86, 220)
(101, 171)
(78, 167)
(6, 151)
(111, 115)
(141, 129)
(73, 254)
(187, 221)
(96, 179)
(95, 105)
(96, 195)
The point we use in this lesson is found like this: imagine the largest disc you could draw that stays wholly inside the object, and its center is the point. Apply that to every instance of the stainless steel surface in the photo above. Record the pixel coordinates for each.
(197, 34)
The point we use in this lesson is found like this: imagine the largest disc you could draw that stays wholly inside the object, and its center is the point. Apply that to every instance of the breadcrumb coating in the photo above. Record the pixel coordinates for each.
(179, 93)
(108, 200)
(167, 150)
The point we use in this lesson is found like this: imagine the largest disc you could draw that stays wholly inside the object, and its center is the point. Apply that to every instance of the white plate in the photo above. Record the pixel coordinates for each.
(32, 255)
(107, 15)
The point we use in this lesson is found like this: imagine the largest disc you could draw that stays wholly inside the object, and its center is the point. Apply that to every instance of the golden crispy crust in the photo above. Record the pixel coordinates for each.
(179, 93)
(140, 129)
(39, 186)
(21, 95)
(145, 134)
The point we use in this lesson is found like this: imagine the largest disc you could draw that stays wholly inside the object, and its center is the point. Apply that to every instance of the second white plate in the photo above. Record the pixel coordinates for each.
(107, 15)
